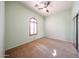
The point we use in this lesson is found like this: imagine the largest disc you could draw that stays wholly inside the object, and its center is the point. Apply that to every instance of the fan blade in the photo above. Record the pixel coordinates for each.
(40, 8)
(36, 5)
(48, 3)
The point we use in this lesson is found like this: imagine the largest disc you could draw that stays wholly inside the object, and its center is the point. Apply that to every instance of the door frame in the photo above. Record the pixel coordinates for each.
(77, 31)
(76, 27)
(77, 15)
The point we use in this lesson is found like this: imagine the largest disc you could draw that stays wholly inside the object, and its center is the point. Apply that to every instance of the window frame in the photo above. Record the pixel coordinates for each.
(33, 27)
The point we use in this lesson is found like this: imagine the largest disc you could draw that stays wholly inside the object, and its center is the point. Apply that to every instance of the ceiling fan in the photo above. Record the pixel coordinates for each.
(45, 5)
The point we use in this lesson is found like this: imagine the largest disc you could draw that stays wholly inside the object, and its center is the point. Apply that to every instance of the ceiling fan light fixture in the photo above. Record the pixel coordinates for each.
(43, 5)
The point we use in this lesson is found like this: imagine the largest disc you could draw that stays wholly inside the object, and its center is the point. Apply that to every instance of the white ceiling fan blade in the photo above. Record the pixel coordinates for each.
(40, 8)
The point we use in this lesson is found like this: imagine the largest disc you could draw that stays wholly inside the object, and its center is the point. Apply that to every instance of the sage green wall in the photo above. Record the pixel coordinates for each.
(17, 25)
(2, 21)
(75, 8)
(59, 26)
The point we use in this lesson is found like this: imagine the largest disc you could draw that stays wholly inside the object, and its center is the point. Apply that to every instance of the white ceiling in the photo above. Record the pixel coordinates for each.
(54, 7)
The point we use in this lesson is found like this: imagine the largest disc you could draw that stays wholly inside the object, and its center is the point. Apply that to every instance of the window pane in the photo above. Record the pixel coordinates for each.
(35, 28)
(31, 28)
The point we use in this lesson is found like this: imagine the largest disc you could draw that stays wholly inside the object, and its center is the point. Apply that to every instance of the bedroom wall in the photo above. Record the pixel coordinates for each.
(17, 25)
(59, 26)
(2, 21)
(75, 10)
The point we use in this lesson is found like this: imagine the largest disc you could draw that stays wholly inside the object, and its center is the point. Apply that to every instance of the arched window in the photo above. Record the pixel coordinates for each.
(33, 26)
